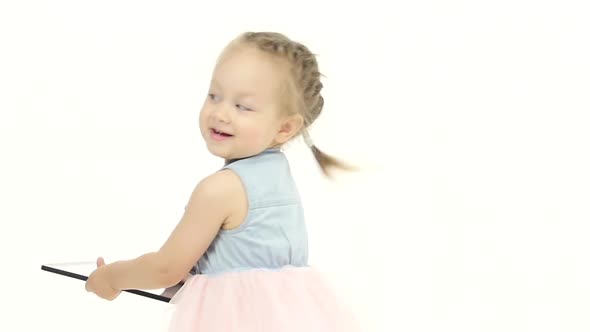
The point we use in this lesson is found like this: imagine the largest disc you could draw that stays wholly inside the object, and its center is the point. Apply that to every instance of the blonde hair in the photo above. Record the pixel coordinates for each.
(303, 86)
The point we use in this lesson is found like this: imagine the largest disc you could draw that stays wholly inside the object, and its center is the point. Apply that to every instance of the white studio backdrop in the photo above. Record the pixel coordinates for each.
(469, 120)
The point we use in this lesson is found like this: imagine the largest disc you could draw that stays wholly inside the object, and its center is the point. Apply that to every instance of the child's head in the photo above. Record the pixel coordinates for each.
(265, 91)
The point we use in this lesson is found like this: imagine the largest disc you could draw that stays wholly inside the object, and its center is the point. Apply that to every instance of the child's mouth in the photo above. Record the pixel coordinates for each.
(219, 135)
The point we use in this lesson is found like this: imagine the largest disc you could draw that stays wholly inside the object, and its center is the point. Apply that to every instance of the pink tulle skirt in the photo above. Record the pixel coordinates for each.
(258, 300)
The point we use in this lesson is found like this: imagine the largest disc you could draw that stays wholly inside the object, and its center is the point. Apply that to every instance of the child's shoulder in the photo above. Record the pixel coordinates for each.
(220, 194)
(222, 184)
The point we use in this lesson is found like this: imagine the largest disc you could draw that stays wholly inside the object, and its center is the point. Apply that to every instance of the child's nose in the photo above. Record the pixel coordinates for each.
(221, 114)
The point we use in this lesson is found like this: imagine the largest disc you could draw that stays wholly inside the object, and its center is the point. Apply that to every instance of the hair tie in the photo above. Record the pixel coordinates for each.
(307, 140)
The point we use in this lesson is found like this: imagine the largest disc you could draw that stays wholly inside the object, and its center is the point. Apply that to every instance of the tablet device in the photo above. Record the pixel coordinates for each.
(81, 271)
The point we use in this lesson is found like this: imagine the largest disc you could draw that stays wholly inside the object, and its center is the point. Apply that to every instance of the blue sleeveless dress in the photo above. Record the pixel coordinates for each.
(256, 277)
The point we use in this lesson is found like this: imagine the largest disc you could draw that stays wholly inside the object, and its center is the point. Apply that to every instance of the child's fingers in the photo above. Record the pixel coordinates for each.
(100, 262)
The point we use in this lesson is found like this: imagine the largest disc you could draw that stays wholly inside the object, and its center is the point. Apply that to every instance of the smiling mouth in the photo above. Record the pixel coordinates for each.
(217, 132)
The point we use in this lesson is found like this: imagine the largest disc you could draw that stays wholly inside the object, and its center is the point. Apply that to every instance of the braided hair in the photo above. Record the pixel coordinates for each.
(304, 87)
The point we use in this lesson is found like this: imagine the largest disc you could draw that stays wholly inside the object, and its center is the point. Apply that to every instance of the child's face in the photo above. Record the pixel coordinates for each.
(243, 102)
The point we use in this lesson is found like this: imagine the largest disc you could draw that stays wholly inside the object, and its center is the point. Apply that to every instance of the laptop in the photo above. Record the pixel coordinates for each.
(81, 271)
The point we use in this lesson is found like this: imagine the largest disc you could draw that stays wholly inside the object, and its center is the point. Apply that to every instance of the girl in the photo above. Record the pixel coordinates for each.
(244, 224)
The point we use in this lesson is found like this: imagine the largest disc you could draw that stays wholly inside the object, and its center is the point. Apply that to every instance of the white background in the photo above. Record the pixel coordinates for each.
(469, 119)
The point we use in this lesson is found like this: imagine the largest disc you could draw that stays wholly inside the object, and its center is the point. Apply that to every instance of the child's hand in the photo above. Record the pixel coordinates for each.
(99, 284)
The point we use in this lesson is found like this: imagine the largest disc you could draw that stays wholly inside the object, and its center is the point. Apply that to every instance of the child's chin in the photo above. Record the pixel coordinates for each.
(218, 152)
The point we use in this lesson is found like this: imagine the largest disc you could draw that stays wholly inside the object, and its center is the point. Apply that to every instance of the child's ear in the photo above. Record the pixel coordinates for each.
(290, 126)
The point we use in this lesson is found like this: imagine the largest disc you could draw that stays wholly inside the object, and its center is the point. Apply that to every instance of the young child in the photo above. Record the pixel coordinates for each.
(243, 235)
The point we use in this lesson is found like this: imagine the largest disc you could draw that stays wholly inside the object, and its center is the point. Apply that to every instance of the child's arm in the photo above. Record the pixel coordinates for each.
(211, 203)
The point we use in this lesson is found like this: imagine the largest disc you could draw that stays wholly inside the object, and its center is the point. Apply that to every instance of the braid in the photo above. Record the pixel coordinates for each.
(305, 79)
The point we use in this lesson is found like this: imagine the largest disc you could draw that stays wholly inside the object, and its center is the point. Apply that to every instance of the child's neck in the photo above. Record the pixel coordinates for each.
(272, 147)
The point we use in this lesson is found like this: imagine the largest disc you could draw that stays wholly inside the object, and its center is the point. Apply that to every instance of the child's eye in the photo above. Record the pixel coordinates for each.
(243, 108)
(213, 96)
